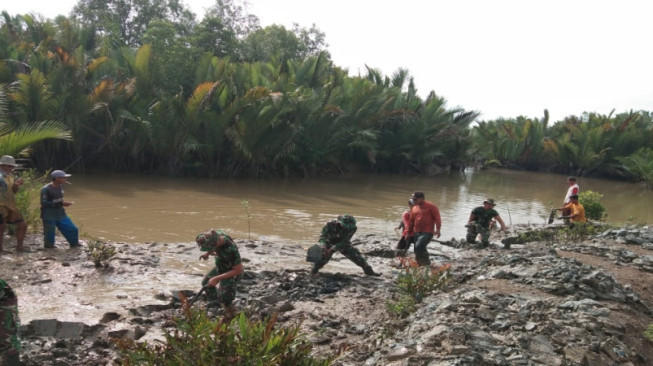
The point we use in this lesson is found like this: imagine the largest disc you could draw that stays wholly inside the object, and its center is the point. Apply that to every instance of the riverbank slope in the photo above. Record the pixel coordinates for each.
(585, 303)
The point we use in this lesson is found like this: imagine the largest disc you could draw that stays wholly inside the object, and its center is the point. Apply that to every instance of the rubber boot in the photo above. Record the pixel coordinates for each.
(370, 272)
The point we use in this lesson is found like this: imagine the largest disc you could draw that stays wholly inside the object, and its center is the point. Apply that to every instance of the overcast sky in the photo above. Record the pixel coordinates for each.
(500, 57)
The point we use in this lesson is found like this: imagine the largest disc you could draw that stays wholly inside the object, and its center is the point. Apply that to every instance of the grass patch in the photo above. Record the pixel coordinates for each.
(414, 284)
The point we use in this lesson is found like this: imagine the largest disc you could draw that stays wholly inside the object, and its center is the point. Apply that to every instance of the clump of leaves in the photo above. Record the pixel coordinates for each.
(579, 231)
(28, 199)
(198, 339)
(547, 235)
(415, 283)
(245, 204)
(401, 307)
(594, 209)
(100, 253)
(649, 333)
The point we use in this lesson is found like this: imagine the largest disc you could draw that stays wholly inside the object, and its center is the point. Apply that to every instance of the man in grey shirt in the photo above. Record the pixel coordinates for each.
(53, 213)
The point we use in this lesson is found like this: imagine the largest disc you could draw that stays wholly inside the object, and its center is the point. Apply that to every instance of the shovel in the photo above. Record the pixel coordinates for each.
(192, 301)
(552, 216)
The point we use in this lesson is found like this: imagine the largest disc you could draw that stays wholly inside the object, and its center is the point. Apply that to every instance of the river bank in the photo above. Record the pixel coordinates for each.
(539, 303)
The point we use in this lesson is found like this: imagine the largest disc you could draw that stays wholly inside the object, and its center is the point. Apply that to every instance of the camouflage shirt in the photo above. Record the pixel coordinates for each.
(227, 256)
(9, 322)
(333, 234)
(483, 216)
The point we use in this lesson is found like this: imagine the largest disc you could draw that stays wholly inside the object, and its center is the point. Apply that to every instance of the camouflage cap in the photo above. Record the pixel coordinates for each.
(347, 221)
(490, 201)
(204, 241)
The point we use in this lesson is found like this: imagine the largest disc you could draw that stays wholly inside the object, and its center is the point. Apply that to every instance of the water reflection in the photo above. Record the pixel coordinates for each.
(142, 209)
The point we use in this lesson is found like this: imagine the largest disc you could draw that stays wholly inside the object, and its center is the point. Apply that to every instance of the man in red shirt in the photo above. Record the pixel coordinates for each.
(424, 217)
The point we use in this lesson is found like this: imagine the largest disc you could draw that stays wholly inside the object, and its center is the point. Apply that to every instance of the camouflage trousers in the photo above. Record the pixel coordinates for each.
(474, 229)
(9, 339)
(349, 252)
(227, 292)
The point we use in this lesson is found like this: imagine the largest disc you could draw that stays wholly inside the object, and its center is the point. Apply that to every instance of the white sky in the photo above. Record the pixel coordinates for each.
(500, 57)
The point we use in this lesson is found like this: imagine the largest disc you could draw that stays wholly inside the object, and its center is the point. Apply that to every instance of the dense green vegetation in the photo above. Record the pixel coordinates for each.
(142, 86)
(198, 339)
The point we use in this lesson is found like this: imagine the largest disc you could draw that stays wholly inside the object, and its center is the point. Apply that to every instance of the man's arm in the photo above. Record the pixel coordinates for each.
(564, 207)
(500, 220)
(47, 201)
(17, 183)
(235, 271)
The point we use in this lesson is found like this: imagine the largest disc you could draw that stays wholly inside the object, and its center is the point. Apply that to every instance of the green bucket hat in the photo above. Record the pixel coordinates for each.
(347, 221)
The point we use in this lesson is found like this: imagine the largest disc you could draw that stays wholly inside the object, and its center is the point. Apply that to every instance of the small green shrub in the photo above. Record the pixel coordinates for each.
(200, 340)
(594, 209)
(578, 231)
(648, 333)
(245, 204)
(401, 307)
(415, 283)
(548, 235)
(100, 253)
(28, 199)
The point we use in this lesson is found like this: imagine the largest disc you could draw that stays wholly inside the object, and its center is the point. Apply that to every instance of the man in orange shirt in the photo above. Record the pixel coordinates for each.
(424, 217)
(574, 210)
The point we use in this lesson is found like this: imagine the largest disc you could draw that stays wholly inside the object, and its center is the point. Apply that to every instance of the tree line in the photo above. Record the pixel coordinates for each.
(142, 86)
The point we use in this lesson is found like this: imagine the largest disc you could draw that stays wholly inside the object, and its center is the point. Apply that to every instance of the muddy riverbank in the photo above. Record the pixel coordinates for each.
(538, 303)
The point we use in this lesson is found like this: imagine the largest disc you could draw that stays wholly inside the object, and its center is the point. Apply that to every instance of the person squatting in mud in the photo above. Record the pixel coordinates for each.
(404, 243)
(336, 237)
(228, 266)
(479, 223)
(9, 325)
(573, 212)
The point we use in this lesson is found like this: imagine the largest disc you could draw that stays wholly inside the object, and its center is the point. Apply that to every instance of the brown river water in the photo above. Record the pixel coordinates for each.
(153, 209)
(146, 209)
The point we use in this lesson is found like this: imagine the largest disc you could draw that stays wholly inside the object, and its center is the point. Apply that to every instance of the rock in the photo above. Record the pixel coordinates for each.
(109, 317)
(400, 354)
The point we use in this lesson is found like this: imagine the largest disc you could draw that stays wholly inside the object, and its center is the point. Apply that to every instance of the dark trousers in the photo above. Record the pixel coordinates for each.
(421, 254)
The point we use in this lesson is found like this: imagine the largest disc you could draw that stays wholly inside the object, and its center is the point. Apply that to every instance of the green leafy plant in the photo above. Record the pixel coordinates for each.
(594, 209)
(547, 235)
(579, 231)
(649, 333)
(28, 199)
(100, 253)
(238, 341)
(401, 307)
(246, 206)
(640, 165)
(415, 283)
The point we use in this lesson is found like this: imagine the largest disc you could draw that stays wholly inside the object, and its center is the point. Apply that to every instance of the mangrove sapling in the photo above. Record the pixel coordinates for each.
(246, 206)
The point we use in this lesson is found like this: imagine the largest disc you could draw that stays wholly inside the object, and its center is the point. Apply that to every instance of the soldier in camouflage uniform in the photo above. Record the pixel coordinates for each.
(9, 324)
(479, 222)
(336, 236)
(228, 265)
